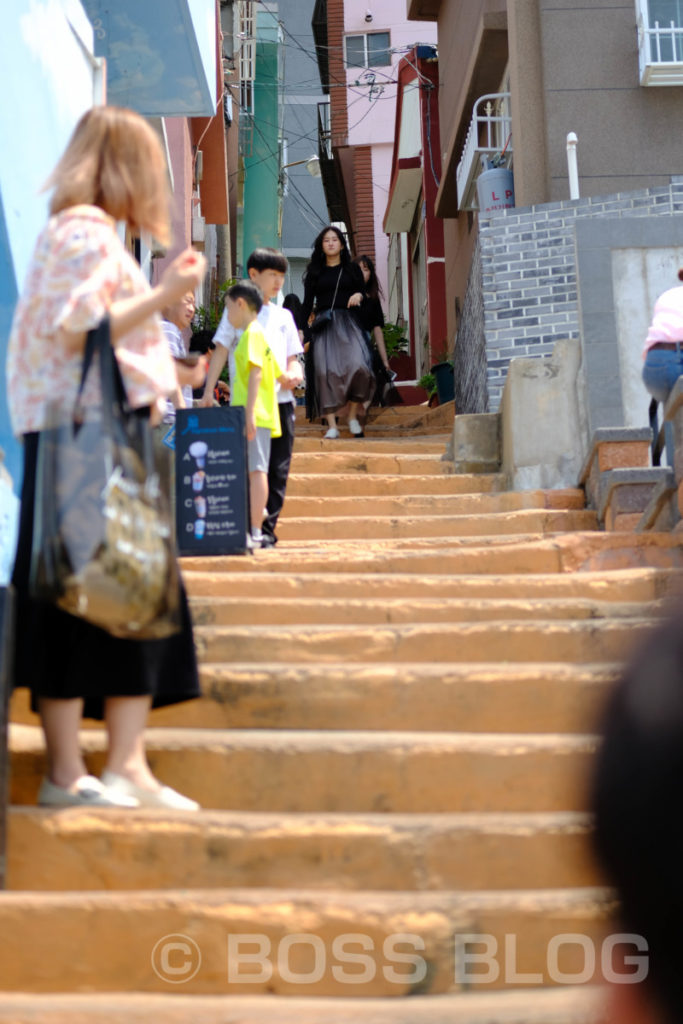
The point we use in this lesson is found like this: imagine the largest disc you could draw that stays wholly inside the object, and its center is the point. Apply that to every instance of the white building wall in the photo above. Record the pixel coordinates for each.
(381, 180)
(49, 79)
(372, 93)
(48, 82)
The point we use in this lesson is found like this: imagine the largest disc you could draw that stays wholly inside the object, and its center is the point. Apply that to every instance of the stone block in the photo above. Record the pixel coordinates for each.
(623, 455)
(661, 513)
(476, 443)
(544, 432)
(625, 494)
(622, 522)
(613, 448)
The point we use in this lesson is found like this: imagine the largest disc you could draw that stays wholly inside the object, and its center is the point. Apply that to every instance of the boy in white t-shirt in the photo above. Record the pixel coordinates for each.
(266, 268)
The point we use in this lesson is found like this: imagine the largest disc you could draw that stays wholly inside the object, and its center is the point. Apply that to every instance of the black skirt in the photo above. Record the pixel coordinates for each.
(60, 656)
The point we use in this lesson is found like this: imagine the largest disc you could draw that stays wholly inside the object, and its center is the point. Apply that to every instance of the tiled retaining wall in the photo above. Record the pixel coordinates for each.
(528, 289)
(469, 360)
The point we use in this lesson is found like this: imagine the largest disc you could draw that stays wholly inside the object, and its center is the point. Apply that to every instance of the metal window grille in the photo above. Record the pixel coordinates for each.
(247, 55)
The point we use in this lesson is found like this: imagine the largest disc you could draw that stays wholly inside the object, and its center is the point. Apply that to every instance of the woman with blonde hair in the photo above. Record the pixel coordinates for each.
(112, 170)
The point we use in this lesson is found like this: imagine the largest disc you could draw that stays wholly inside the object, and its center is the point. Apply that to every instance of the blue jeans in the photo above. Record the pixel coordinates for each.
(662, 369)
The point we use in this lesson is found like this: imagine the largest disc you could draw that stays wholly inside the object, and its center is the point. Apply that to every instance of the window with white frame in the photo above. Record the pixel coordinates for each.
(247, 54)
(660, 41)
(369, 50)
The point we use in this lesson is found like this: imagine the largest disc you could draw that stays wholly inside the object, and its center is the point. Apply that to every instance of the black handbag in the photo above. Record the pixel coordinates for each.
(103, 540)
(321, 320)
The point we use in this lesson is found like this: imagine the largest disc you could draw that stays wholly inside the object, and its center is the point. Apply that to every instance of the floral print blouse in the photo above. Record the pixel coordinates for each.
(79, 268)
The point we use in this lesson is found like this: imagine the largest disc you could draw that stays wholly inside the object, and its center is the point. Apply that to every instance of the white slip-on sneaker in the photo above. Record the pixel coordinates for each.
(86, 792)
(355, 428)
(163, 797)
(331, 435)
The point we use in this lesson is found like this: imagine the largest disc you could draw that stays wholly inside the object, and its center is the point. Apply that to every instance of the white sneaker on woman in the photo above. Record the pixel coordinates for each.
(355, 428)
(331, 435)
(85, 792)
(162, 797)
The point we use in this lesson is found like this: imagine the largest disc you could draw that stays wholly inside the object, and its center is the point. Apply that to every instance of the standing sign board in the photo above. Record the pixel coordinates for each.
(211, 481)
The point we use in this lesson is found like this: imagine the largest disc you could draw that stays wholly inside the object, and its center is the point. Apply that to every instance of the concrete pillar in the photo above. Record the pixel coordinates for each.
(529, 137)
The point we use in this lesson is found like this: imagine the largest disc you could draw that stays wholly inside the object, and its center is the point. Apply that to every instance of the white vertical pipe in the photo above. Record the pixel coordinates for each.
(573, 166)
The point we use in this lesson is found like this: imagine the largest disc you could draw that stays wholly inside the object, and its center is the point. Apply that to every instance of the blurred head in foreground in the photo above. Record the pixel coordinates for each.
(638, 805)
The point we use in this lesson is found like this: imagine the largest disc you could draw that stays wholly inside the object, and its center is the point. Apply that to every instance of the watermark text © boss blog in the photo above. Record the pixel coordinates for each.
(357, 959)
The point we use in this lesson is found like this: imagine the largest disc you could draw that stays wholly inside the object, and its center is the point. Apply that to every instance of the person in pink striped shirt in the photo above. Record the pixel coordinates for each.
(662, 352)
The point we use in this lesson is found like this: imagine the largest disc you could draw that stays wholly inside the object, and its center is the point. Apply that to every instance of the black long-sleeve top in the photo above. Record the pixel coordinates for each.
(371, 314)
(320, 290)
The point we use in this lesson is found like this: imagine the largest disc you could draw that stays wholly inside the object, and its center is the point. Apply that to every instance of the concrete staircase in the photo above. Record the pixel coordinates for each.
(392, 750)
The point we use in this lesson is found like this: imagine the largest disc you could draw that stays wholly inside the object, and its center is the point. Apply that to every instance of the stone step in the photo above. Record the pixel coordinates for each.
(350, 484)
(499, 555)
(390, 415)
(575, 642)
(628, 585)
(244, 610)
(288, 941)
(561, 1005)
(429, 445)
(417, 504)
(366, 462)
(543, 698)
(405, 524)
(114, 850)
(309, 770)
(403, 416)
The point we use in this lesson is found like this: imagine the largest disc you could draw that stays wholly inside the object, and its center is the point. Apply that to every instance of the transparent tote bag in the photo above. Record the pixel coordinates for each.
(103, 538)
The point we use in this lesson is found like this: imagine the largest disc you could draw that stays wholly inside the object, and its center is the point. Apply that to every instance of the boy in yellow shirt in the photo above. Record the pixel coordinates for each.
(254, 388)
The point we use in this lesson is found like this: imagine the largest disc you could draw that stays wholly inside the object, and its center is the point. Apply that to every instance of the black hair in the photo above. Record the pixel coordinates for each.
(265, 258)
(201, 342)
(247, 290)
(637, 798)
(318, 260)
(293, 303)
(373, 288)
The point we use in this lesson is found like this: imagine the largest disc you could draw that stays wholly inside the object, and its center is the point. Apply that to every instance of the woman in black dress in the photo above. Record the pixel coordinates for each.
(372, 321)
(341, 363)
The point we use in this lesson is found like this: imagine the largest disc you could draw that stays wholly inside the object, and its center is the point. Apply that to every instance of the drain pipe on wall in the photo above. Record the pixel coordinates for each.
(572, 164)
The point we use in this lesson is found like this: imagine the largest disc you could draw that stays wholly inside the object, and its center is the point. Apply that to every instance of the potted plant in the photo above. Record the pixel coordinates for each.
(428, 382)
(395, 340)
(207, 318)
(444, 377)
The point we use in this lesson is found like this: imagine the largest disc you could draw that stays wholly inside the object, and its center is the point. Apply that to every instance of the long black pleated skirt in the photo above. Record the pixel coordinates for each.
(60, 656)
(342, 364)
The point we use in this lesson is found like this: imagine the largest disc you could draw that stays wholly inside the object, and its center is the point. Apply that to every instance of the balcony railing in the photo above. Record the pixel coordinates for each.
(324, 131)
(489, 136)
(660, 52)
